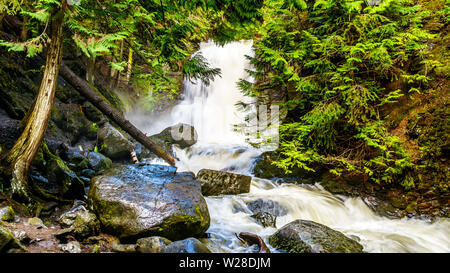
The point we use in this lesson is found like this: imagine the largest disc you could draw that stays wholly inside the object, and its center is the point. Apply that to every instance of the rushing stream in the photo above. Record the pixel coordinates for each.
(212, 111)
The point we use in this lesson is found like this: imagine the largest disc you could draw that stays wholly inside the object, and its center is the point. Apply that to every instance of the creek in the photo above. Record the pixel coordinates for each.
(213, 111)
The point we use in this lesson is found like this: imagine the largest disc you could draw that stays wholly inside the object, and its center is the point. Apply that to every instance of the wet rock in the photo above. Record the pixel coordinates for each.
(135, 201)
(113, 143)
(181, 134)
(99, 162)
(265, 219)
(218, 182)
(153, 244)
(268, 206)
(189, 245)
(381, 207)
(76, 157)
(58, 172)
(303, 236)
(7, 214)
(71, 247)
(80, 222)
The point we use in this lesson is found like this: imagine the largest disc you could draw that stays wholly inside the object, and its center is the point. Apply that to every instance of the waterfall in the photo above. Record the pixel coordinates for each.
(212, 111)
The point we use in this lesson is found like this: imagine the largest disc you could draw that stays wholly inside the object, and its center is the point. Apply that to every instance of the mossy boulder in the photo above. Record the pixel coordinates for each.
(181, 134)
(7, 214)
(70, 118)
(113, 143)
(80, 222)
(302, 236)
(69, 183)
(8, 241)
(218, 182)
(136, 201)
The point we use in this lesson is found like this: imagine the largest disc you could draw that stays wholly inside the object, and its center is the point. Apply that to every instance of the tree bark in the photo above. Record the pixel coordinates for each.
(90, 69)
(24, 32)
(83, 88)
(24, 150)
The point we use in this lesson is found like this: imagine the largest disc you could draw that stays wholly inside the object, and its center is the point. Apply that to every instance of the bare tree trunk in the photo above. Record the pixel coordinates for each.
(130, 64)
(90, 70)
(24, 150)
(24, 31)
(120, 58)
(83, 88)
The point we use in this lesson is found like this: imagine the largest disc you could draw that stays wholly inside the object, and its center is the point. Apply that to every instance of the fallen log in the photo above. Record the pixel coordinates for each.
(84, 89)
(253, 239)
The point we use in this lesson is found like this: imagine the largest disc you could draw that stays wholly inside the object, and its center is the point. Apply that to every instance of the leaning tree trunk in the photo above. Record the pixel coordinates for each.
(83, 88)
(24, 150)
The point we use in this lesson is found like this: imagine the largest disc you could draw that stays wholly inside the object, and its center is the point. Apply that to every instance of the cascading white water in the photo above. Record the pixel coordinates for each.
(211, 110)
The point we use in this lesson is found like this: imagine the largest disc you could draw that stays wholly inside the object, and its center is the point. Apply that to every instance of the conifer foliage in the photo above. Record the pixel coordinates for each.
(332, 61)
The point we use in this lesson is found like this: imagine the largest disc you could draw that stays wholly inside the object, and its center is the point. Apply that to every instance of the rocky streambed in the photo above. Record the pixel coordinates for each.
(152, 209)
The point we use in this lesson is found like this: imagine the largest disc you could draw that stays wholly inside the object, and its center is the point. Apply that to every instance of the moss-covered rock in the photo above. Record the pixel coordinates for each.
(8, 241)
(217, 182)
(7, 214)
(81, 222)
(136, 201)
(113, 143)
(58, 172)
(303, 236)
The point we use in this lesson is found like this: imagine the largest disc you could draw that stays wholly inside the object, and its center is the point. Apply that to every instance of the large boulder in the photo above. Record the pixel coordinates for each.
(181, 134)
(302, 236)
(113, 143)
(219, 182)
(136, 201)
